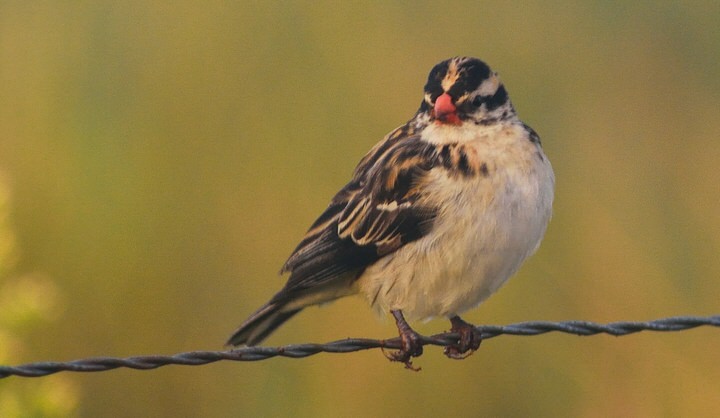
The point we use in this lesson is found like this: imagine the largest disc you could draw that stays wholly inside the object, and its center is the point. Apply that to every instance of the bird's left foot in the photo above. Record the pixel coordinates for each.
(470, 339)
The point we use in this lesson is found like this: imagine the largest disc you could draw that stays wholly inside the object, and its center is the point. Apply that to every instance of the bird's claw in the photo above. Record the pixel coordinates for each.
(468, 343)
(411, 347)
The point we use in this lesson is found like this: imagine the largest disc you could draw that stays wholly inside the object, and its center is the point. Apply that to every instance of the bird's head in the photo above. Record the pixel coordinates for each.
(465, 89)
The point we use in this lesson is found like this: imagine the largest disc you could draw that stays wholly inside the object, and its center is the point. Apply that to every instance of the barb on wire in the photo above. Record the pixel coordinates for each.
(197, 358)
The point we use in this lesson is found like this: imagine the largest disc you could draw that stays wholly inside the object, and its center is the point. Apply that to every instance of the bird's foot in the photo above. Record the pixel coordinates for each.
(412, 345)
(470, 339)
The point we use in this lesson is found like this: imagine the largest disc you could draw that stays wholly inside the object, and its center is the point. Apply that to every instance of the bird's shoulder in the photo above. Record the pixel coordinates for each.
(375, 213)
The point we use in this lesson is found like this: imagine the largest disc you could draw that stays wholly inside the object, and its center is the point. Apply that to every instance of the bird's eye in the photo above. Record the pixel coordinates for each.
(477, 101)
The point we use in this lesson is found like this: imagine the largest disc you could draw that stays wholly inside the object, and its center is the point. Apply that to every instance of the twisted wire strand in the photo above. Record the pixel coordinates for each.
(197, 358)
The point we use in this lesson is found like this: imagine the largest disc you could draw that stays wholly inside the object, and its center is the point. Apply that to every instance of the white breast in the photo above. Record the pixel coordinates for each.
(487, 226)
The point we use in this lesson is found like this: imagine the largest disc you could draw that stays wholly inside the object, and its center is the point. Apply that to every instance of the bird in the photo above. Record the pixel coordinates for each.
(436, 217)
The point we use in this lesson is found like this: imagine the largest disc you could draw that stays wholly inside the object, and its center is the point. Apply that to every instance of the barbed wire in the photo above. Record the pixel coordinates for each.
(197, 358)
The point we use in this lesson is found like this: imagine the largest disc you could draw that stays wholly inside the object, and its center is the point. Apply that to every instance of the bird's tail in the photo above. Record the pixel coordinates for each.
(262, 323)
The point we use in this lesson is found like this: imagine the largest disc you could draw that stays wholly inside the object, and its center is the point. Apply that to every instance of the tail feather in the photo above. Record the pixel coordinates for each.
(262, 323)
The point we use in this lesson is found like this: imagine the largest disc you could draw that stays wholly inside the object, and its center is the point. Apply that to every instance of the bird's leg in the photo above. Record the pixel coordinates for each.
(470, 339)
(411, 344)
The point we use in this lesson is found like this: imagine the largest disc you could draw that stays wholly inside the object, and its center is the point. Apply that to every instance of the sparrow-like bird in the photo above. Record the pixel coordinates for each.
(437, 216)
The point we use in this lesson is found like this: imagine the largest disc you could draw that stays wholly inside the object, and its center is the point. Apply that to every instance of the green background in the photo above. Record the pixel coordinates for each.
(160, 160)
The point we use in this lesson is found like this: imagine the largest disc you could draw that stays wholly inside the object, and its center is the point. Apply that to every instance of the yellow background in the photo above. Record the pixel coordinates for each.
(160, 160)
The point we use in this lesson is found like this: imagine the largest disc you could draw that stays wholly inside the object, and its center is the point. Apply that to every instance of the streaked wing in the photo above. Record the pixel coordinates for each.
(387, 213)
(379, 211)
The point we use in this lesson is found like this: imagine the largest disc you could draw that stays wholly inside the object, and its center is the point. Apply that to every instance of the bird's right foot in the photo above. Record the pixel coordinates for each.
(412, 345)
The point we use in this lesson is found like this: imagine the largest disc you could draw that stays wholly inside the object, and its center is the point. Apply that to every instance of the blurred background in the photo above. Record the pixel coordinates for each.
(159, 161)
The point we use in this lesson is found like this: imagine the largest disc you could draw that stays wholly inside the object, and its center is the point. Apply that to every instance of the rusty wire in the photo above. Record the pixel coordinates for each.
(197, 358)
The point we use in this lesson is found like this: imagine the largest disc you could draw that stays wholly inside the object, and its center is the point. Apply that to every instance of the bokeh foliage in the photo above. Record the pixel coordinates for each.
(164, 159)
(26, 300)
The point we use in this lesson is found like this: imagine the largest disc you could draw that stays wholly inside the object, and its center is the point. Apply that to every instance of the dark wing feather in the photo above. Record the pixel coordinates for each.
(388, 213)
(378, 212)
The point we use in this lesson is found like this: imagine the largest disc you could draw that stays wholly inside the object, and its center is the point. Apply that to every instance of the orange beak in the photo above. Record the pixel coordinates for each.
(445, 111)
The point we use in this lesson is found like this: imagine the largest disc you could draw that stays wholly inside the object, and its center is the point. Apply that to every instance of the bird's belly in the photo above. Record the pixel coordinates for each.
(479, 240)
